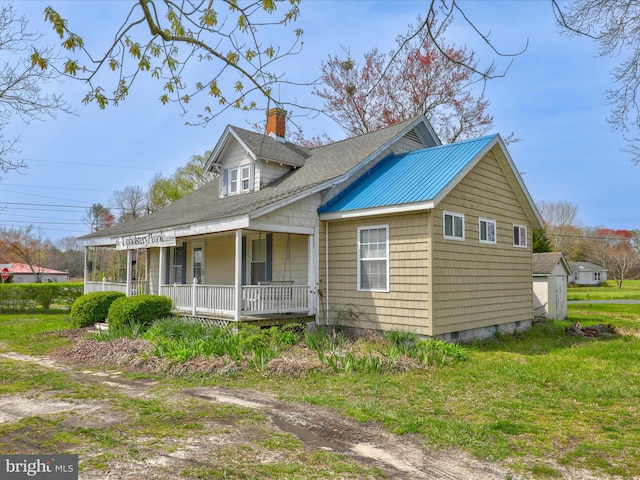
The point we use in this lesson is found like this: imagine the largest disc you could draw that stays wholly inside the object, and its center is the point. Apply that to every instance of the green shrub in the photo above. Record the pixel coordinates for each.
(139, 309)
(92, 308)
(29, 297)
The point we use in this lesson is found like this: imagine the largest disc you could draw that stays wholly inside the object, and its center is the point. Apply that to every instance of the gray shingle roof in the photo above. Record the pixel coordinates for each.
(322, 165)
(544, 263)
(267, 148)
(586, 266)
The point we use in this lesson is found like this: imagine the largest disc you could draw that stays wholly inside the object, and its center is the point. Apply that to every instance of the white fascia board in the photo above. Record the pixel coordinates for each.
(98, 242)
(279, 228)
(223, 225)
(369, 212)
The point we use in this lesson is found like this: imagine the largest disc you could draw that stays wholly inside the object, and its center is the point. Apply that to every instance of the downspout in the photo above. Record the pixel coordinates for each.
(326, 272)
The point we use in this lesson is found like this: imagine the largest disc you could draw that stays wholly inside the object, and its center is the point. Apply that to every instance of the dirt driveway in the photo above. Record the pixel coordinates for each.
(317, 428)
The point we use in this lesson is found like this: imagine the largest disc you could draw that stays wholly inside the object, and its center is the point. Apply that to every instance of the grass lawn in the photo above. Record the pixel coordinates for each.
(630, 291)
(537, 401)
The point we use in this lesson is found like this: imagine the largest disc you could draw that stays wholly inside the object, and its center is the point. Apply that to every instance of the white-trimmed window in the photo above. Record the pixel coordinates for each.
(453, 225)
(519, 236)
(238, 180)
(373, 258)
(245, 178)
(233, 181)
(487, 230)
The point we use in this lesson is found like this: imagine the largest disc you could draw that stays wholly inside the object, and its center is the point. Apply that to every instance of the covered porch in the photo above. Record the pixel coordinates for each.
(235, 276)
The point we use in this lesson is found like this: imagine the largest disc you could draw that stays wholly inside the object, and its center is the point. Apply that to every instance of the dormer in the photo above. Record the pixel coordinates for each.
(248, 161)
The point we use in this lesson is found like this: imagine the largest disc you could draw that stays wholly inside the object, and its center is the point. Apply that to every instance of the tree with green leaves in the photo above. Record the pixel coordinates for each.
(219, 44)
(164, 191)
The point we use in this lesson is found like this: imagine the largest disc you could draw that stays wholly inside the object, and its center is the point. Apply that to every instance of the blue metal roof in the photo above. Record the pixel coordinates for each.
(411, 177)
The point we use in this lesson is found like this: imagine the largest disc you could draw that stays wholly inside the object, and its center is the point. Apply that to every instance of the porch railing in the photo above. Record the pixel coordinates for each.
(138, 287)
(221, 299)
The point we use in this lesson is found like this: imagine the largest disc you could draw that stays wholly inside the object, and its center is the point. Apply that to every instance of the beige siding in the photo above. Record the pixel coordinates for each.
(267, 172)
(289, 258)
(220, 255)
(290, 263)
(406, 306)
(480, 285)
(303, 213)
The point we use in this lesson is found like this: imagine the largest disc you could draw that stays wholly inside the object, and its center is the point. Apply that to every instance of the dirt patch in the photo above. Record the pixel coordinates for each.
(399, 456)
(13, 408)
(230, 443)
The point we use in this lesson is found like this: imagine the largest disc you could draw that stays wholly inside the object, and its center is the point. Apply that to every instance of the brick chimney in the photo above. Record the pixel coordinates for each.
(276, 122)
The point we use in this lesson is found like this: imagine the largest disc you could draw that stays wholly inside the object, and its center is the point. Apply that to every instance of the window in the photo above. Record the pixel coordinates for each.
(373, 258)
(233, 181)
(179, 261)
(245, 177)
(519, 236)
(236, 180)
(596, 276)
(487, 231)
(453, 226)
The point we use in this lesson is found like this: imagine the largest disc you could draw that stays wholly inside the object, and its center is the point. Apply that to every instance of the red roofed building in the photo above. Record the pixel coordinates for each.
(23, 273)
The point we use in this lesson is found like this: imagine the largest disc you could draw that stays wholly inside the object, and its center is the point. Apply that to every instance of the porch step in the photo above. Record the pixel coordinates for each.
(101, 326)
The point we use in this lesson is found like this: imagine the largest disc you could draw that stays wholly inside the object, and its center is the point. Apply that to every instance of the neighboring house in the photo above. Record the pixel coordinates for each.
(587, 273)
(23, 273)
(550, 274)
(387, 230)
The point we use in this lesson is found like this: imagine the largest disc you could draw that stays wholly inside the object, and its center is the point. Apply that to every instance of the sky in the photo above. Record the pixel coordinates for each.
(551, 97)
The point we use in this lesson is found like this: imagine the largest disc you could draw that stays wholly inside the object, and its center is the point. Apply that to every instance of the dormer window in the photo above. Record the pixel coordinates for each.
(237, 180)
(244, 178)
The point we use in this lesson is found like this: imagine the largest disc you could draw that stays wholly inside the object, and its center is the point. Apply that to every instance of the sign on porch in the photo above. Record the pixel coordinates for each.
(147, 240)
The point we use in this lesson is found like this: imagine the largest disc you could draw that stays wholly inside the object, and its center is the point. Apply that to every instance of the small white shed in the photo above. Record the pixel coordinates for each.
(550, 276)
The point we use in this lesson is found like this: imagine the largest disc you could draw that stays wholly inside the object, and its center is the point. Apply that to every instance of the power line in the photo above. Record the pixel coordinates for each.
(42, 196)
(85, 164)
(45, 205)
(53, 187)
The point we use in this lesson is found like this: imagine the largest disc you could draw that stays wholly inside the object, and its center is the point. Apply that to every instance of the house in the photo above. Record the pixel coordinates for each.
(587, 273)
(387, 230)
(550, 274)
(23, 273)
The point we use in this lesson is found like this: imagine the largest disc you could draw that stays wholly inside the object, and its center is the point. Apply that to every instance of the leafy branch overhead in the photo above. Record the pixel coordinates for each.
(219, 44)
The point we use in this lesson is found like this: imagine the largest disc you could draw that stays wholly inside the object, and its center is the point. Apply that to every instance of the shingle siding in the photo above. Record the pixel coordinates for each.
(406, 305)
(479, 285)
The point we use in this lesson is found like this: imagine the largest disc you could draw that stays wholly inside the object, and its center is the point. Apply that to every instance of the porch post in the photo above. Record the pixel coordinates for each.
(129, 258)
(86, 268)
(312, 270)
(160, 270)
(238, 279)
